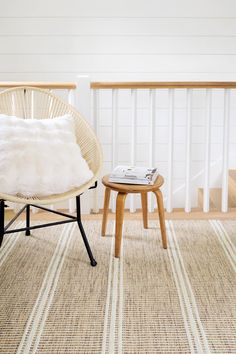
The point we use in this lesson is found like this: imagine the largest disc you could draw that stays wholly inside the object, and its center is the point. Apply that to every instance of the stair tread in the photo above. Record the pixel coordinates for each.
(216, 197)
(232, 185)
(232, 174)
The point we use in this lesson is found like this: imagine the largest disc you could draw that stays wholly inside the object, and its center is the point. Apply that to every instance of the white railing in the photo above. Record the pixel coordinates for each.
(86, 96)
(208, 164)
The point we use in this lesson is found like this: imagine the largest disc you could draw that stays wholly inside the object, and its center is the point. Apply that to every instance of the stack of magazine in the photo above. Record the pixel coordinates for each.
(133, 175)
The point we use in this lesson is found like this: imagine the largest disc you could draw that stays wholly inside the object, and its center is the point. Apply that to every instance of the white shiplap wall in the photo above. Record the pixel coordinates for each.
(118, 40)
(128, 40)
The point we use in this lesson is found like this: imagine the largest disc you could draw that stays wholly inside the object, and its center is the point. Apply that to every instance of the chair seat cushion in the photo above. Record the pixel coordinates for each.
(40, 157)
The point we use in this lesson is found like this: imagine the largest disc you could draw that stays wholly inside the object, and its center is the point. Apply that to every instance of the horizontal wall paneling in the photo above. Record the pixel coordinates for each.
(128, 8)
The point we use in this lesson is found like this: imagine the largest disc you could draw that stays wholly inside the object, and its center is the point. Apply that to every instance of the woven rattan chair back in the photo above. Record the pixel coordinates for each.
(34, 103)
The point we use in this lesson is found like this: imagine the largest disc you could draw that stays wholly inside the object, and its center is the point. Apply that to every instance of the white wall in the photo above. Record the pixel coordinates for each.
(131, 41)
(120, 40)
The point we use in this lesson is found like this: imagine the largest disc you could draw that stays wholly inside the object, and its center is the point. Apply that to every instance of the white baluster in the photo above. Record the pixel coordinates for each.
(170, 152)
(188, 152)
(114, 135)
(206, 189)
(96, 123)
(133, 140)
(50, 115)
(225, 162)
(32, 111)
(152, 99)
(32, 115)
(71, 97)
(15, 206)
(71, 100)
(83, 104)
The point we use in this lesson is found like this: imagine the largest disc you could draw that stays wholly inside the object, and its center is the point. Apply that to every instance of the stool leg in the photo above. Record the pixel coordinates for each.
(105, 210)
(161, 216)
(144, 210)
(120, 204)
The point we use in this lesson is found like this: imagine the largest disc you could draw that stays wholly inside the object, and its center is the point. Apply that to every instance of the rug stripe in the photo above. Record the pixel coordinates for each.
(75, 322)
(48, 301)
(152, 321)
(37, 318)
(228, 243)
(109, 282)
(232, 246)
(192, 297)
(191, 311)
(225, 242)
(115, 294)
(9, 243)
(114, 306)
(179, 290)
(121, 300)
(212, 281)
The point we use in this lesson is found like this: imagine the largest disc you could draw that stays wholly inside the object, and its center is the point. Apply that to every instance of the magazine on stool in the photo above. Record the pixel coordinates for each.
(134, 175)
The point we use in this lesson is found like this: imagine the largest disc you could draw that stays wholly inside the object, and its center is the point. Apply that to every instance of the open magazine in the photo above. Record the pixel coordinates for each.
(134, 175)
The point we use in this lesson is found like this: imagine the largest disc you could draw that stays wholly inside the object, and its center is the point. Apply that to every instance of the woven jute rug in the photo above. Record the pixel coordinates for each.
(180, 300)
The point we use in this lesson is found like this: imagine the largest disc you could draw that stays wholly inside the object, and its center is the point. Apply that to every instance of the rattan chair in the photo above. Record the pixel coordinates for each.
(30, 102)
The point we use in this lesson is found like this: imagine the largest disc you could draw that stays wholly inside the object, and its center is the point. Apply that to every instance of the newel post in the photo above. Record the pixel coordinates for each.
(83, 96)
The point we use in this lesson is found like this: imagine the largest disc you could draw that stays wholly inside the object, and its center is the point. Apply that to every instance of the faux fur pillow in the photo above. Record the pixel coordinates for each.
(40, 157)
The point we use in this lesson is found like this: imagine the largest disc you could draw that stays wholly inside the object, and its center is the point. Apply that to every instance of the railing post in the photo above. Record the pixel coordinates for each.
(96, 124)
(133, 139)
(83, 104)
(114, 137)
(83, 97)
(71, 97)
(152, 104)
(188, 151)
(206, 189)
(170, 152)
(71, 101)
(225, 162)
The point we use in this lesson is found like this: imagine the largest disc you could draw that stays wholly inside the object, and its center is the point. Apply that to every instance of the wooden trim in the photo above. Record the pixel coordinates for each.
(163, 85)
(122, 85)
(44, 85)
(177, 214)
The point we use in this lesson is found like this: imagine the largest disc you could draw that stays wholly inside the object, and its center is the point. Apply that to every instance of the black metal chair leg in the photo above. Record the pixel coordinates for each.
(92, 260)
(2, 207)
(27, 231)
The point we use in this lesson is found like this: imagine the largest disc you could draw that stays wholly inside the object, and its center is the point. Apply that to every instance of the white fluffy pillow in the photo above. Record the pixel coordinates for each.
(40, 157)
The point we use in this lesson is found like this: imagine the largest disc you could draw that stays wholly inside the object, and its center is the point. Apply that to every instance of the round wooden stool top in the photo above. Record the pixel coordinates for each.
(133, 188)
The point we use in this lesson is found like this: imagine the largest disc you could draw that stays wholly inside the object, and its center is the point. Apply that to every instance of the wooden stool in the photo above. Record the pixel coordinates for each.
(123, 190)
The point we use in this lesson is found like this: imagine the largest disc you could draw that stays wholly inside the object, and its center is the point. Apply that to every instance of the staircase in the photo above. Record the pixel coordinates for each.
(215, 194)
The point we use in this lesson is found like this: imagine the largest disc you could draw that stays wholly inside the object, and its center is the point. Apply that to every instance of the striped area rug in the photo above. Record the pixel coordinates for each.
(180, 300)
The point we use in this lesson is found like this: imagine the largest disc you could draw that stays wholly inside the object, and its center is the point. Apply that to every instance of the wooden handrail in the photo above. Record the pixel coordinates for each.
(124, 85)
(167, 85)
(44, 85)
